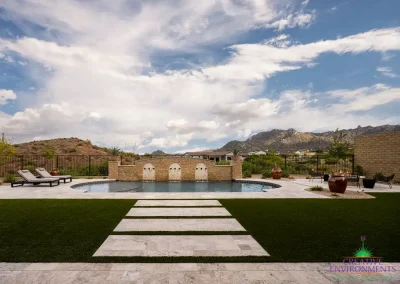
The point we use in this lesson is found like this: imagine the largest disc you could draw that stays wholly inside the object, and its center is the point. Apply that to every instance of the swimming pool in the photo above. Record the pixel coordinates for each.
(182, 186)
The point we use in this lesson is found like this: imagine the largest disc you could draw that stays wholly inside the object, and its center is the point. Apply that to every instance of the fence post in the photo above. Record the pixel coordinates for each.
(90, 165)
(285, 161)
(317, 163)
(352, 164)
(57, 162)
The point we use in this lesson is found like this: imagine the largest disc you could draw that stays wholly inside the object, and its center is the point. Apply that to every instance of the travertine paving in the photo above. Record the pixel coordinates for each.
(178, 203)
(180, 245)
(179, 225)
(165, 211)
(183, 273)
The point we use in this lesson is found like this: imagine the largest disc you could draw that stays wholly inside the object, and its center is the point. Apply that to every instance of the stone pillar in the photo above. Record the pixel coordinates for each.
(236, 167)
(113, 169)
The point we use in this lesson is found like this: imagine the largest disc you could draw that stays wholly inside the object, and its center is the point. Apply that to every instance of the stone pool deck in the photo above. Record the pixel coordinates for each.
(185, 273)
(289, 189)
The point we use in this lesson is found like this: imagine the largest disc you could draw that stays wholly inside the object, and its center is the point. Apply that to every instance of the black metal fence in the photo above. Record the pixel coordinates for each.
(76, 165)
(296, 164)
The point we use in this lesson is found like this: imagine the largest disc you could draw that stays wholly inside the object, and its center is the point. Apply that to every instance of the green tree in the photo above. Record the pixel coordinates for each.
(49, 151)
(114, 151)
(339, 147)
(6, 151)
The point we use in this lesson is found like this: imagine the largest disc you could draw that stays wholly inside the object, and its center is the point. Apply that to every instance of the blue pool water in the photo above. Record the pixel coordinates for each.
(184, 186)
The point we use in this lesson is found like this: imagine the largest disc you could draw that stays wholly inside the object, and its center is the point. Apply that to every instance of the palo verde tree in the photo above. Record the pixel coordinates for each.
(339, 148)
(6, 151)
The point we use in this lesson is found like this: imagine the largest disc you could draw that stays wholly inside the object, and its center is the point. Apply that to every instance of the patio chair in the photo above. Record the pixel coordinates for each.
(29, 178)
(389, 180)
(354, 178)
(45, 174)
(316, 174)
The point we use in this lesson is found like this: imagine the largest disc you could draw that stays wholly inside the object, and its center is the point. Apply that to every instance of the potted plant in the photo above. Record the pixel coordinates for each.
(114, 152)
(337, 183)
(369, 182)
(276, 173)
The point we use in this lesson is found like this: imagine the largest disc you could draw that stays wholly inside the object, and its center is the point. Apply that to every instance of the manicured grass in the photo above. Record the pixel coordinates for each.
(56, 230)
(291, 230)
(295, 230)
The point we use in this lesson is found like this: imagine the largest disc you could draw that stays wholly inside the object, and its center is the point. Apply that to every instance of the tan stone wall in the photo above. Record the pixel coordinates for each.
(162, 165)
(237, 167)
(378, 153)
(113, 169)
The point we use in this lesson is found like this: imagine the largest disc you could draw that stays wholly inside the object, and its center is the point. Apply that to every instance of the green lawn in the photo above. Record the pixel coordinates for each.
(295, 230)
(56, 230)
(289, 229)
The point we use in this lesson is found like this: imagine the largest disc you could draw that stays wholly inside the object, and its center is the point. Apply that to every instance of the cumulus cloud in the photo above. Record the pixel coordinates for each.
(6, 95)
(116, 93)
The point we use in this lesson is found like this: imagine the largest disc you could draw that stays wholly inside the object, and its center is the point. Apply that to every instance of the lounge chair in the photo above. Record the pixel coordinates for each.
(389, 180)
(354, 178)
(45, 174)
(315, 174)
(29, 178)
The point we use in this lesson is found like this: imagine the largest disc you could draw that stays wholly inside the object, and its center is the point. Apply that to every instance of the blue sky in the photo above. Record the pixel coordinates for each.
(150, 76)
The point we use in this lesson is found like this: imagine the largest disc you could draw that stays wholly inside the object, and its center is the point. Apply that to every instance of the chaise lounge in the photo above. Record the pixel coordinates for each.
(29, 178)
(45, 174)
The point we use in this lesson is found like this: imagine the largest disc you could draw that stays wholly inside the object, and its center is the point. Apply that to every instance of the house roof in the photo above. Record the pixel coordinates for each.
(208, 153)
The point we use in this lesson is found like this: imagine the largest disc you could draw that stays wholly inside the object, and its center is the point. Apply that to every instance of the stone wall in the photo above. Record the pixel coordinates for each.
(378, 153)
(175, 168)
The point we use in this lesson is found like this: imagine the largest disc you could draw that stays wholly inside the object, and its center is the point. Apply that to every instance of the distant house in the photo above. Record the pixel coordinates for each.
(257, 153)
(214, 156)
(209, 155)
(299, 153)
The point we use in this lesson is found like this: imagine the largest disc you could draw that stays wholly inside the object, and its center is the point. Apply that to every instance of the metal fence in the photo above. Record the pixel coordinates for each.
(318, 163)
(76, 165)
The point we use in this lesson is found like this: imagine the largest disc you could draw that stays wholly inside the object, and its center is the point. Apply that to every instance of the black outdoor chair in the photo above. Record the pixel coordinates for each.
(389, 180)
(316, 174)
(354, 178)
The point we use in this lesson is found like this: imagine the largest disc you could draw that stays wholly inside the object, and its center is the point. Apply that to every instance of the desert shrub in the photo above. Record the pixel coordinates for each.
(258, 164)
(222, 163)
(285, 174)
(246, 174)
(316, 188)
(358, 170)
(9, 178)
(80, 144)
(30, 168)
(73, 150)
(267, 174)
(49, 151)
(379, 177)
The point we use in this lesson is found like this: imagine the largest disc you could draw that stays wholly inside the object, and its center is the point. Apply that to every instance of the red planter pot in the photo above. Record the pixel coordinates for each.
(276, 173)
(337, 184)
(54, 172)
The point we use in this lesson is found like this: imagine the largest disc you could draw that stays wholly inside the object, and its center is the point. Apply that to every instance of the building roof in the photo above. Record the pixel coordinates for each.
(207, 153)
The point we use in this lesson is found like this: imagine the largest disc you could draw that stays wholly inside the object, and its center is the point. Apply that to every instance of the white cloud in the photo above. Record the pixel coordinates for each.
(387, 71)
(6, 95)
(105, 70)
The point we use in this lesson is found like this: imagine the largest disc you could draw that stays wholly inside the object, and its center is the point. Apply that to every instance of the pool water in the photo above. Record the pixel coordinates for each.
(159, 186)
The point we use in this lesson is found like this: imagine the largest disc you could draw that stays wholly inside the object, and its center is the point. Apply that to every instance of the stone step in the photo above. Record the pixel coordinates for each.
(177, 203)
(179, 225)
(180, 245)
(177, 212)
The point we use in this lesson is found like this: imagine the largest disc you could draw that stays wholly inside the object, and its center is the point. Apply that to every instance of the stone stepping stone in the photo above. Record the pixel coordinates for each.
(175, 212)
(177, 203)
(180, 245)
(179, 225)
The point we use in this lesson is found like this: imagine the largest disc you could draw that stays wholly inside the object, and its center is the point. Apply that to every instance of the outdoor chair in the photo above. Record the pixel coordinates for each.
(354, 178)
(316, 174)
(45, 174)
(389, 180)
(29, 178)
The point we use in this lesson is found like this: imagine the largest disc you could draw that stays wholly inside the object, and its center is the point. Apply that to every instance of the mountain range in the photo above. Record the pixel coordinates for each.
(288, 141)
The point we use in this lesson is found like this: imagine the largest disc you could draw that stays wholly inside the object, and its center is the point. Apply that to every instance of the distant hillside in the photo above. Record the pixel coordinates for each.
(62, 146)
(159, 152)
(287, 141)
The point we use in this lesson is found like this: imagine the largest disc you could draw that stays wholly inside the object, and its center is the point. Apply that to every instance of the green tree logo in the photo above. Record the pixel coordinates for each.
(363, 251)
